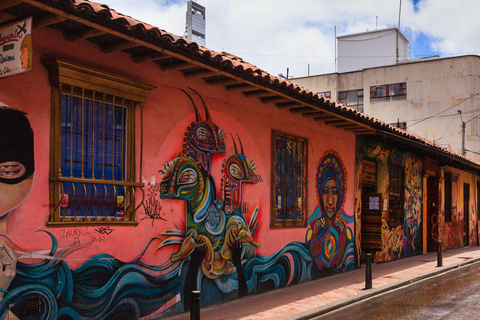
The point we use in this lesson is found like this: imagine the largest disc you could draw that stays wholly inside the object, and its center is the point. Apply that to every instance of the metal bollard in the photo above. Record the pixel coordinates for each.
(195, 310)
(439, 254)
(368, 272)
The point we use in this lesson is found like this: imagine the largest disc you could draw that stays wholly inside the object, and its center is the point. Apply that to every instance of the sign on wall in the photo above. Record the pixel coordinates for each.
(369, 173)
(15, 47)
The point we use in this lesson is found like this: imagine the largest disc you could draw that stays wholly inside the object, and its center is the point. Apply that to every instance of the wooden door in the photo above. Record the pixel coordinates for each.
(466, 214)
(432, 213)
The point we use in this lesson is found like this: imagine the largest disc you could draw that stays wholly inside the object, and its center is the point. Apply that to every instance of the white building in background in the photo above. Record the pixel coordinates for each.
(371, 49)
(423, 96)
(195, 23)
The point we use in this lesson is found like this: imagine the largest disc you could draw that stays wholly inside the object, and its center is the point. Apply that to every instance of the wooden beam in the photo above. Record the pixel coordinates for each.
(181, 65)
(347, 125)
(47, 20)
(364, 130)
(301, 109)
(243, 87)
(119, 46)
(353, 128)
(335, 121)
(324, 118)
(223, 82)
(288, 104)
(137, 58)
(316, 113)
(4, 5)
(274, 99)
(85, 34)
(200, 74)
(257, 93)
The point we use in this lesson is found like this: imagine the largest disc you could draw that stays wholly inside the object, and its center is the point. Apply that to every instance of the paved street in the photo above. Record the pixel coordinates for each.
(452, 295)
(314, 298)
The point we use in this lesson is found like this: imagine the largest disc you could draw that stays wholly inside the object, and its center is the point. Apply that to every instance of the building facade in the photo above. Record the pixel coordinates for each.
(431, 98)
(370, 49)
(195, 28)
(137, 166)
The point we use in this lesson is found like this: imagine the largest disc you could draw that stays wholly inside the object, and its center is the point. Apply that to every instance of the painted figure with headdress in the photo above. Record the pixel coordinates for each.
(329, 235)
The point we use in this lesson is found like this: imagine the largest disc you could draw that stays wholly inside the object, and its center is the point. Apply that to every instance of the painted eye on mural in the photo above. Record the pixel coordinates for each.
(187, 176)
(235, 171)
(203, 134)
(11, 170)
(221, 135)
(252, 167)
(167, 171)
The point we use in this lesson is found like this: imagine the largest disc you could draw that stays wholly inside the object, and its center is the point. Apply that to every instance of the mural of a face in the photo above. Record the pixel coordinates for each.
(12, 195)
(16, 158)
(203, 137)
(181, 179)
(331, 186)
(25, 52)
(329, 197)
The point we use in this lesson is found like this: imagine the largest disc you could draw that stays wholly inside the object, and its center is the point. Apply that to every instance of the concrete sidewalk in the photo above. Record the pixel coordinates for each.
(313, 298)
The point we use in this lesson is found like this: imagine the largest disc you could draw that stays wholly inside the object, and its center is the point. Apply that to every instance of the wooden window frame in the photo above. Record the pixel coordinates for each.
(377, 96)
(325, 94)
(359, 106)
(301, 205)
(77, 81)
(396, 194)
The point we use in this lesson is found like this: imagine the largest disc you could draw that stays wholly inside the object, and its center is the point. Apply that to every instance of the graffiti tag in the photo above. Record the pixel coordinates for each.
(75, 232)
(104, 230)
(153, 210)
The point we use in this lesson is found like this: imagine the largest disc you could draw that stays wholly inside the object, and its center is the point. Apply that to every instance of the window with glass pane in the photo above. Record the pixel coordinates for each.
(93, 137)
(326, 94)
(352, 99)
(92, 159)
(289, 171)
(390, 92)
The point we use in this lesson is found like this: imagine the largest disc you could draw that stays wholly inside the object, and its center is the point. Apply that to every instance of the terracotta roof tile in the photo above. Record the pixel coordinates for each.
(228, 60)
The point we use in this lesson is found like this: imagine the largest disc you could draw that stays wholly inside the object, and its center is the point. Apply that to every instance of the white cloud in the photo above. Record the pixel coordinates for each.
(279, 34)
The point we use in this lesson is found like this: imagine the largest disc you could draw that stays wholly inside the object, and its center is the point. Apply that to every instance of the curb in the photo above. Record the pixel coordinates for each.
(315, 312)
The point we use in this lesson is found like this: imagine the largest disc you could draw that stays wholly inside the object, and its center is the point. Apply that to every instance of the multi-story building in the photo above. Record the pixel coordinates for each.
(432, 98)
(195, 23)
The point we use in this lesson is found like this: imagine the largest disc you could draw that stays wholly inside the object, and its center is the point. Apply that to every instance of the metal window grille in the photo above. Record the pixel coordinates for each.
(396, 194)
(93, 151)
(95, 181)
(289, 172)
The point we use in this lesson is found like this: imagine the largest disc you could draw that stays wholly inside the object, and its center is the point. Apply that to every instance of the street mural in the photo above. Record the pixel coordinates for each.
(48, 288)
(217, 238)
(330, 237)
(214, 249)
(403, 240)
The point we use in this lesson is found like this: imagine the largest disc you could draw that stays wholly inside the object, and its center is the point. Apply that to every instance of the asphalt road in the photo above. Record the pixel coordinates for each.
(452, 295)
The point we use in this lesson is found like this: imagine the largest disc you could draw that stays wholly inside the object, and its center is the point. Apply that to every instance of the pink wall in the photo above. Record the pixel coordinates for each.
(167, 113)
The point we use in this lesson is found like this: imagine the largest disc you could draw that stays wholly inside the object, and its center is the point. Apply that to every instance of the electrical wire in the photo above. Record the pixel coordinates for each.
(446, 115)
(445, 110)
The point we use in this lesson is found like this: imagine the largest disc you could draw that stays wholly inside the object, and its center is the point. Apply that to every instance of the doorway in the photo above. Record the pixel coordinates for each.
(466, 214)
(432, 213)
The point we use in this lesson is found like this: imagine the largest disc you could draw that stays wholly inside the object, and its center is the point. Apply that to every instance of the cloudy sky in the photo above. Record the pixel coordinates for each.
(300, 35)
